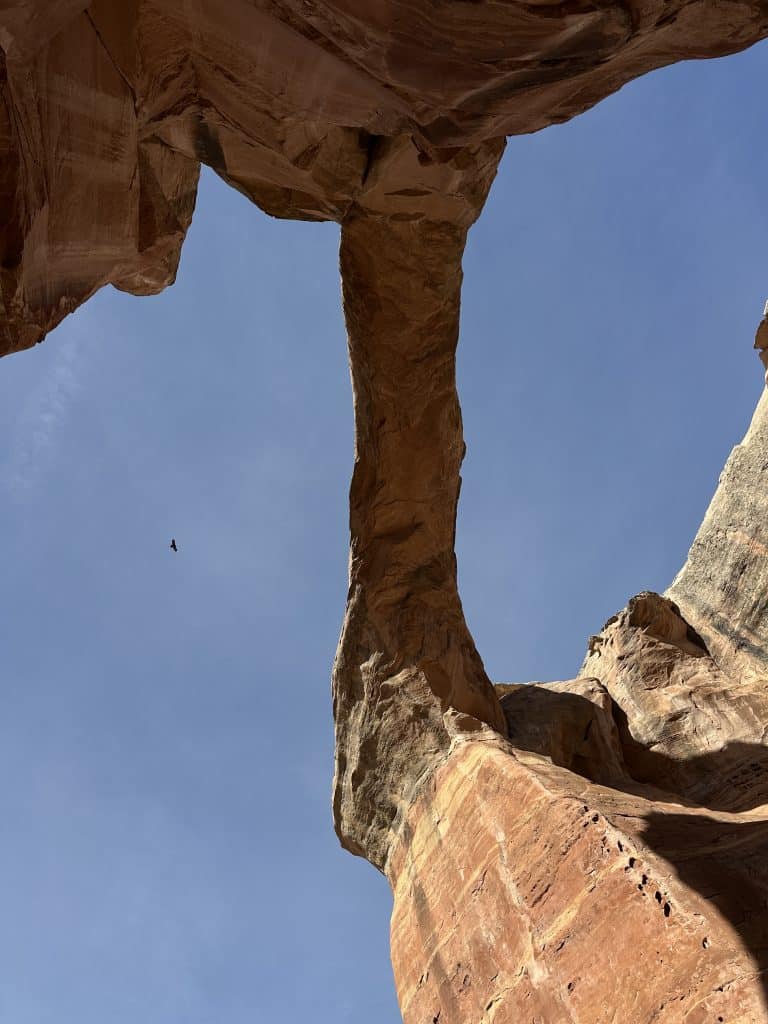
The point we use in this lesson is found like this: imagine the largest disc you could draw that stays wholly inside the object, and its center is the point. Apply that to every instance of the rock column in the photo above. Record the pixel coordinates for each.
(407, 675)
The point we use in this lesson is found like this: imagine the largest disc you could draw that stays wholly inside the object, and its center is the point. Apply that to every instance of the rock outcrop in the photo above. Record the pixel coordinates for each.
(407, 675)
(608, 862)
(523, 892)
(585, 851)
(108, 108)
(723, 587)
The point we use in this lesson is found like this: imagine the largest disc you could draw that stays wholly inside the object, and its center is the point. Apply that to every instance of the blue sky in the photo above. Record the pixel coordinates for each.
(166, 735)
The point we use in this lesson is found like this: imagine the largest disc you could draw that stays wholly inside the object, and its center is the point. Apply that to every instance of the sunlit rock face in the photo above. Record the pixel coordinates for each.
(584, 851)
(609, 861)
(524, 892)
(723, 587)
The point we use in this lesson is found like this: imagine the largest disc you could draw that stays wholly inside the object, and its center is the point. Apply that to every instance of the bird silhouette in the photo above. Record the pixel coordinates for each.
(173, 544)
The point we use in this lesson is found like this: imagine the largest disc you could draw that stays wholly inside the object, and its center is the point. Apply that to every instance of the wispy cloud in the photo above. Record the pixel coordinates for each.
(33, 443)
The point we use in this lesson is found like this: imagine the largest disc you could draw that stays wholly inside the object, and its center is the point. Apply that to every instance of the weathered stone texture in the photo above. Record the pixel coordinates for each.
(525, 893)
(407, 675)
(609, 862)
(723, 587)
(589, 851)
(107, 109)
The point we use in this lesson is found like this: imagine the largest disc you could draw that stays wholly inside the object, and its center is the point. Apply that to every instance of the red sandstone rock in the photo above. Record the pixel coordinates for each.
(588, 851)
(108, 108)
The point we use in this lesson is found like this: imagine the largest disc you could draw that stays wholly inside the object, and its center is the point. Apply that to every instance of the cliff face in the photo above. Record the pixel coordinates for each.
(608, 860)
(591, 850)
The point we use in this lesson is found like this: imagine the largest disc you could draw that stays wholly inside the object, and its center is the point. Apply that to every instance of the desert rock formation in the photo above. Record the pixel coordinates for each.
(592, 850)
(309, 108)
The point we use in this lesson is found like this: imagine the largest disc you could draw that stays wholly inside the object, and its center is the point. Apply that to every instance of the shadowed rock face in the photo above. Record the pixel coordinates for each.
(107, 110)
(587, 851)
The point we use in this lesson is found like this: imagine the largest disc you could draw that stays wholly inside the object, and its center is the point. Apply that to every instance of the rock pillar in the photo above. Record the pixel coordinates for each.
(407, 675)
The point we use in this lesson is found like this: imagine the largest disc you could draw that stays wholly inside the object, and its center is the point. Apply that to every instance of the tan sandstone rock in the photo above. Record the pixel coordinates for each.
(610, 861)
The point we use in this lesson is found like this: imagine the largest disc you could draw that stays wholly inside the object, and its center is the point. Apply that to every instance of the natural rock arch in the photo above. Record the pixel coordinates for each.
(391, 119)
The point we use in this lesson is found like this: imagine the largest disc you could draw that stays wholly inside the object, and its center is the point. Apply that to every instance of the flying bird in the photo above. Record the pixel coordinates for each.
(173, 544)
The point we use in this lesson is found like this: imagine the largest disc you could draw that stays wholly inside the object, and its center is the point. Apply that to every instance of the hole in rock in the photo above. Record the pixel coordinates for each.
(576, 495)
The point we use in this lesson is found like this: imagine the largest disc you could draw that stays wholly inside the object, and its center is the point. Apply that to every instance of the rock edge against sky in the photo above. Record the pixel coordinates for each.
(591, 850)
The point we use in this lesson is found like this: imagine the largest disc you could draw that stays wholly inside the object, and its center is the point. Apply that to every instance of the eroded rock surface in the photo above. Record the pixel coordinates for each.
(108, 108)
(723, 587)
(524, 892)
(610, 861)
(584, 851)
(407, 675)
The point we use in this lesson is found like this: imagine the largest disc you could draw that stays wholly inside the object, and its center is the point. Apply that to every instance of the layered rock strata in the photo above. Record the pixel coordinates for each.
(524, 892)
(586, 851)
(407, 676)
(609, 860)
(723, 587)
(108, 108)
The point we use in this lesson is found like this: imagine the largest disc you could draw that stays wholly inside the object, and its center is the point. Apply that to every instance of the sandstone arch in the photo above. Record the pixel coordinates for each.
(630, 789)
